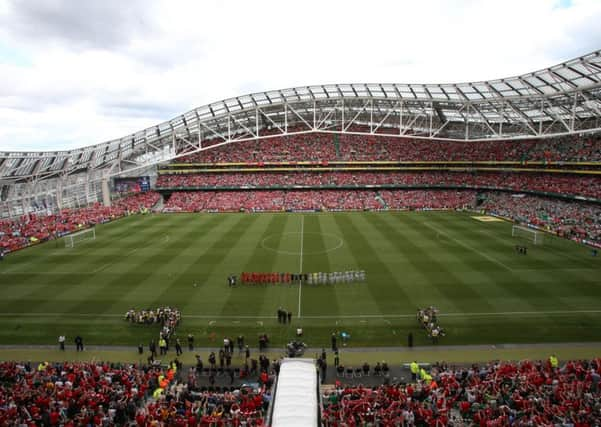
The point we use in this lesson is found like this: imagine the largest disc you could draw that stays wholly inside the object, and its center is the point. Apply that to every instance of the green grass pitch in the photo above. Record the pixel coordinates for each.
(485, 291)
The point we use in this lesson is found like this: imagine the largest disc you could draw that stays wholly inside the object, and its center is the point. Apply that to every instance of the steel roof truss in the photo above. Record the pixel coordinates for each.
(291, 108)
(362, 109)
(525, 119)
(214, 132)
(255, 134)
(319, 124)
(270, 119)
(390, 111)
(448, 120)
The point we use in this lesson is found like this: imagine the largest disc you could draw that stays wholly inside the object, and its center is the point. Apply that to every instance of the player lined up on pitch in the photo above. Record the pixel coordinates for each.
(319, 278)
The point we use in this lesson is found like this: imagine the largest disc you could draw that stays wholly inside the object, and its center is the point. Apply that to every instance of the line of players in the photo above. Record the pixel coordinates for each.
(351, 276)
(320, 278)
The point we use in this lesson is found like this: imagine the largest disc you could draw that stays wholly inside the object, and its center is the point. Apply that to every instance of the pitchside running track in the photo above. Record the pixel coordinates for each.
(486, 292)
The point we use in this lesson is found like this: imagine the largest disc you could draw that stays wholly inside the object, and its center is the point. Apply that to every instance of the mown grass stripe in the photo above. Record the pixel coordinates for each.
(381, 280)
(106, 292)
(318, 298)
(207, 260)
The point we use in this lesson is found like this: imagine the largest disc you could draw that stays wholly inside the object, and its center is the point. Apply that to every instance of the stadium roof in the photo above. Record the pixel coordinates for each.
(562, 99)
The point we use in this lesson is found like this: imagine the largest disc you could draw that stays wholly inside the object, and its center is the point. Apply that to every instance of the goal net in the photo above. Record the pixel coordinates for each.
(529, 234)
(81, 236)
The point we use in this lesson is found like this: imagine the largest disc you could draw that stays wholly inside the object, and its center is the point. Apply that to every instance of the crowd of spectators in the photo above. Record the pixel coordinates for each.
(136, 203)
(321, 146)
(99, 394)
(492, 394)
(428, 199)
(73, 393)
(574, 220)
(496, 394)
(581, 185)
(280, 200)
(276, 149)
(32, 228)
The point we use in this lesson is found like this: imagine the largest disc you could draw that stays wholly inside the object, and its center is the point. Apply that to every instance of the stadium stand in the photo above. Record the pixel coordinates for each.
(569, 219)
(34, 228)
(73, 394)
(589, 186)
(494, 394)
(491, 394)
(301, 200)
(331, 147)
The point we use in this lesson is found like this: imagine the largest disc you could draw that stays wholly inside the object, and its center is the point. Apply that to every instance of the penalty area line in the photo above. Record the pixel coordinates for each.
(466, 246)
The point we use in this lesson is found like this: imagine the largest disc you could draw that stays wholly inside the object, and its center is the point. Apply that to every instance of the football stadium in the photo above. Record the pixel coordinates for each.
(340, 254)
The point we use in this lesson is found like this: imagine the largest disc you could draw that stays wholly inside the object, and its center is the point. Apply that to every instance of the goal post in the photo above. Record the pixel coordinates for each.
(80, 236)
(530, 234)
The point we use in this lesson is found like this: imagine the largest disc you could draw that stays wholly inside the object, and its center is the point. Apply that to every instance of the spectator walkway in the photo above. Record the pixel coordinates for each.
(348, 355)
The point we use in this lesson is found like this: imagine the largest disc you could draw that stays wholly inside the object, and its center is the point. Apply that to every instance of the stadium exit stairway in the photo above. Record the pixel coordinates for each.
(381, 200)
(158, 206)
(337, 146)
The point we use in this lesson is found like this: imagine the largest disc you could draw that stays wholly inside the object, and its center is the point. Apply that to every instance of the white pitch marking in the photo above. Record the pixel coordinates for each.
(46, 273)
(412, 315)
(360, 316)
(278, 251)
(471, 248)
(300, 269)
(99, 269)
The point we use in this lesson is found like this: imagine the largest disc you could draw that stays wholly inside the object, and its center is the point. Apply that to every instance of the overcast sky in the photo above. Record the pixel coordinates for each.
(80, 72)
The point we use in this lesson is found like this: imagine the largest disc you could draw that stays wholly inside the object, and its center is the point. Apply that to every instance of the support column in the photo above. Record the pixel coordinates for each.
(106, 193)
(59, 193)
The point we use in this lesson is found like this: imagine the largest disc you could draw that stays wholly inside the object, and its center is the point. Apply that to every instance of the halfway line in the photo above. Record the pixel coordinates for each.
(300, 269)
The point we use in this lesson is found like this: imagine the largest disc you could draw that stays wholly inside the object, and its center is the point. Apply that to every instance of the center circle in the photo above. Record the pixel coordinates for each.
(331, 244)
